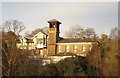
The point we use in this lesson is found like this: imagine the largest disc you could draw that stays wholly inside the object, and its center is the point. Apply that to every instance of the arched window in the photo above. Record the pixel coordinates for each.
(53, 25)
(50, 25)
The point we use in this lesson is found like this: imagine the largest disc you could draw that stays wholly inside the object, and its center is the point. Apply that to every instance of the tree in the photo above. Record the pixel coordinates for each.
(89, 32)
(0, 51)
(49, 70)
(104, 47)
(66, 67)
(9, 53)
(94, 58)
(74, 32)
(114, 33)
(75, 67)
(13, 25)
(23, 68)
(78, 32)
(31, 34)
(110, 62)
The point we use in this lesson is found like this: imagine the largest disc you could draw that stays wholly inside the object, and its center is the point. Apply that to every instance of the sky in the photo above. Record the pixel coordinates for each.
(102, 16)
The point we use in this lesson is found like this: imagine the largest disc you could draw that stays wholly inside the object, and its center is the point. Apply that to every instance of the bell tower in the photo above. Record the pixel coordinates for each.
(53, 36)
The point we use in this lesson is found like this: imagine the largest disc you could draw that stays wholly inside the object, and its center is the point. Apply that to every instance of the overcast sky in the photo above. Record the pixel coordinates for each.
(102, 16)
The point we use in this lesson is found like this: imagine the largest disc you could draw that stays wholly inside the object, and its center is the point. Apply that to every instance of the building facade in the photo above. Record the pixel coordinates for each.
(56, 44)
(51, 44)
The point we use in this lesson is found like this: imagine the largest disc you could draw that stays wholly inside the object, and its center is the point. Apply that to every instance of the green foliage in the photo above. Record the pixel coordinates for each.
(48, 70)
(91, 71)
(118, 58)
(68, 67)
(104, 47)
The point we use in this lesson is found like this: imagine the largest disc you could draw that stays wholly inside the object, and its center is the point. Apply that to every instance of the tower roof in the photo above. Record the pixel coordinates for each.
(53, 20)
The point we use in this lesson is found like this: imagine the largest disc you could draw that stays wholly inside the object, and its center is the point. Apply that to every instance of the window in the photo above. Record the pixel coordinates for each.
(67, 48)
(24, 47)
(90, 47)
(75, 48)
(29, 48)
(40, 40)
(54, 25)
(50, 25)
(59, 49)
(41, 52)
(44, 41)
(83, 48)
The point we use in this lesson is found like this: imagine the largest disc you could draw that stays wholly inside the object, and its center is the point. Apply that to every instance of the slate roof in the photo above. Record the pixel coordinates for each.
(75, 40)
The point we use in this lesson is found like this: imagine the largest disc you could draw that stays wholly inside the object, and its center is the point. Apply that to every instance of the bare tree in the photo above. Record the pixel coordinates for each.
(9, 53)
(27, 34)
(78, 32)
(13, 59)
(13, 25)
(89, 32)
(114, 33)
(74, 32)
(44, 29)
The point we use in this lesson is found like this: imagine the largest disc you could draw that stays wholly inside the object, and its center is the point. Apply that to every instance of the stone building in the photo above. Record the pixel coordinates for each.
(56, 44)
(52, 45)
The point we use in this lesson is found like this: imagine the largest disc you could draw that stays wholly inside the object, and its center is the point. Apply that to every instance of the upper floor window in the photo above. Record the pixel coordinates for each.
(40, 40)
(44, 41)
(52, 25)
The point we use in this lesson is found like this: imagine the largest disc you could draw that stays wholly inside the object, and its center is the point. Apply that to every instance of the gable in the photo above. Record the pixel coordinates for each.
(39, 34)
